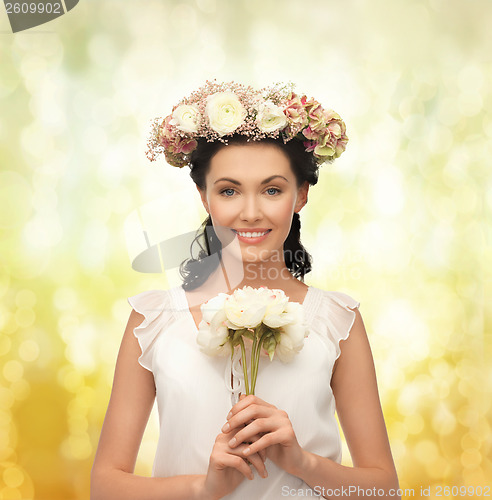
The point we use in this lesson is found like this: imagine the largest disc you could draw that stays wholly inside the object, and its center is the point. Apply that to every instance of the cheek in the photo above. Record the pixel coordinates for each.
(283, 211)
(219, 210)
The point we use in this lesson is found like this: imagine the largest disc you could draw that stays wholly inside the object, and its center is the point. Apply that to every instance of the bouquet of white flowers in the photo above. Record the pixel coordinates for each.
(264, 316)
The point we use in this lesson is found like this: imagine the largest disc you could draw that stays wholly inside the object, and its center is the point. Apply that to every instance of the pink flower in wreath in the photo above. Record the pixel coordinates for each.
(296, 115)
(312, 134)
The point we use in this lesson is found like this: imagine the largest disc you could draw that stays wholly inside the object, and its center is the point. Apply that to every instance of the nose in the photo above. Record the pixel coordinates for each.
(251, 209)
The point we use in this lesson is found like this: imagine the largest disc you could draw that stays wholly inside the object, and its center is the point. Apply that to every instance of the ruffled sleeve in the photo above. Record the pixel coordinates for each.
(335, 316)
(156, 307)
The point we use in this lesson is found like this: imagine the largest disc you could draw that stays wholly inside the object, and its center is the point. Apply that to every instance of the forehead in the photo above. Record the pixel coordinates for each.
(249, 162)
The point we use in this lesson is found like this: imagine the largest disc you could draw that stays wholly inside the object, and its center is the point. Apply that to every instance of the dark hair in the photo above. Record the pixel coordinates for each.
(198, 268)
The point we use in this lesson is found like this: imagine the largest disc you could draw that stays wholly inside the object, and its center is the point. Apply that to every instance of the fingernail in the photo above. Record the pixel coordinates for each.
(226, 427)
(247, 450)
(232, 442)
(229, 415)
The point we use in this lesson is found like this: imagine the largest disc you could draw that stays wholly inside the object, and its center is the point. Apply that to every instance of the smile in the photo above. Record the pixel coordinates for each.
(251, 237)
(245, 234)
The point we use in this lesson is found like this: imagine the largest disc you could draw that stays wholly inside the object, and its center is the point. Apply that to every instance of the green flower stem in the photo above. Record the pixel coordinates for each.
(245, 368)
(253, 351)
(255, 361)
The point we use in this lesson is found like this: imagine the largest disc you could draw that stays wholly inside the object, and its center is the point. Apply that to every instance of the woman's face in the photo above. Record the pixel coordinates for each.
(251, 193)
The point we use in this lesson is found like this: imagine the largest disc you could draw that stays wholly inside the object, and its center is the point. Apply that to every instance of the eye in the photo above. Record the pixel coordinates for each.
(275, 191)
(227, 190)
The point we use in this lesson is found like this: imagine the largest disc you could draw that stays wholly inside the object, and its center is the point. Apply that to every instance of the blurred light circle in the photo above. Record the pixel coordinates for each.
(415, 126)
(440, 139)
(470, 104)
(18, 483)
(439, 468)
(408, 403)
(65, 298)
(36, 142)
(25, 316)
(25, 298)
(94, 139)
(387, 191)
(15, 194)
(466, 199)
(20, 389)
(29, 350)
(447, 113)
(415, 424)
(426, 452)
(13, 477)
(471, 79)
(71, 379)
(469, 440)
(98, 208)
(44, 198)
(120, 200)
(5, 344)
(13, 370)
(77, 447)
(443, 420)
(4, 284)
(471, 458)
(44, 230)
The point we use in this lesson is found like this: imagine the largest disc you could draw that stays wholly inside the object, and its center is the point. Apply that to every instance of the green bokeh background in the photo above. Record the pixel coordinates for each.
(402, 221)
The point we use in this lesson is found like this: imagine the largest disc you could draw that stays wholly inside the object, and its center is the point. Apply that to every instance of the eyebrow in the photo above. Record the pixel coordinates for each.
(266, 181)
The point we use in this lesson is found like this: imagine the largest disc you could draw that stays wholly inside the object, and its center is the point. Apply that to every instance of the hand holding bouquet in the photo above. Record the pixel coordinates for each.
(262, 315)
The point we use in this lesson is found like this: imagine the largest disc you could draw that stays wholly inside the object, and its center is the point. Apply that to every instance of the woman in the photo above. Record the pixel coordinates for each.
(253, 175)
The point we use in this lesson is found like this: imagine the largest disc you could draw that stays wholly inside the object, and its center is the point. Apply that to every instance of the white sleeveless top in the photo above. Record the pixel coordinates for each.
(194, 389)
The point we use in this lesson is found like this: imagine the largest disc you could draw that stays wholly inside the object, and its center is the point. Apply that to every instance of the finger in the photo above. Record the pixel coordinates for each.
(258, 427)
(238, 463)
(246, 401)
(264, 442)
(253, 439)
(258, 463)
(247, 415)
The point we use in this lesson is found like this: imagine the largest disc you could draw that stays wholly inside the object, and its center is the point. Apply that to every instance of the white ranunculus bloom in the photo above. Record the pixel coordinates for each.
(276, 314)
(225, 112)
(245, 308)
(213, 333)
(213, 306)
(292, 338)
(270, 117)
(185, 118)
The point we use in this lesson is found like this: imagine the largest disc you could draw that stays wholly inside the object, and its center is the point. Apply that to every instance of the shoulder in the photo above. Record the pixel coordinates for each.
(152, 312)
(338, 298)
(335, 315)
(149, 299)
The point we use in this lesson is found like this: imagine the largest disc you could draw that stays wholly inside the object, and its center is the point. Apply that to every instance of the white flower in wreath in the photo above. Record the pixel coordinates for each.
(225, 112)
(270, 117)
(185, 118)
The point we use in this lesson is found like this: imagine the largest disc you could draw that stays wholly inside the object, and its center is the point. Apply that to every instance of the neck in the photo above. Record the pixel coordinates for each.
(234, 273)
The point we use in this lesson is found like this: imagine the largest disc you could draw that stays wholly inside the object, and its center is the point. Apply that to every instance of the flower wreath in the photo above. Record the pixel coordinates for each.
(217, 110)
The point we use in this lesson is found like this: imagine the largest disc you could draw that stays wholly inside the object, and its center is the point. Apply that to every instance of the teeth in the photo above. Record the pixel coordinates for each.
(251, 235)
